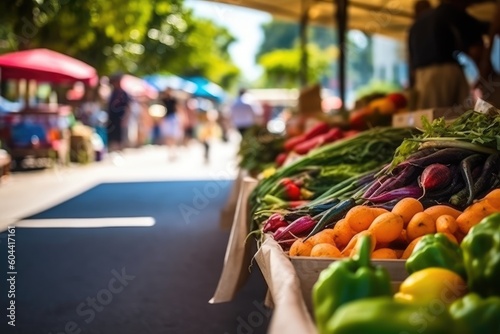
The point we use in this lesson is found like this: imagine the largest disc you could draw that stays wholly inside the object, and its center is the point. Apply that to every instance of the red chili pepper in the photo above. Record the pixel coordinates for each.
(333, 135)
(308, 145)
(292, 142)
(318, 129)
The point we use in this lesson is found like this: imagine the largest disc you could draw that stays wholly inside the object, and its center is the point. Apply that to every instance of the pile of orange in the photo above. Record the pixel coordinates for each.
(395, 233)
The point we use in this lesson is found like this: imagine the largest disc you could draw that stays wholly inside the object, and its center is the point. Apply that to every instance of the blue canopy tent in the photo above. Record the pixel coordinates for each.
(207, 89)
(197, 86)
(163, 81)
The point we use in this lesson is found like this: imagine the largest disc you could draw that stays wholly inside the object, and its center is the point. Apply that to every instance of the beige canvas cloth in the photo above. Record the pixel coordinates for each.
(440, 86)
(226, 216)
(239, 250)
(290, 313)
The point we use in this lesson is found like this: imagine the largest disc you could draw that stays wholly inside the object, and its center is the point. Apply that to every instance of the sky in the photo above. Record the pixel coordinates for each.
(244, 24)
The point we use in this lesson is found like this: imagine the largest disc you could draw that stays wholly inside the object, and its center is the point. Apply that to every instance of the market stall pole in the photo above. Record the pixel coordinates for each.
(341, 17)
(304, 20)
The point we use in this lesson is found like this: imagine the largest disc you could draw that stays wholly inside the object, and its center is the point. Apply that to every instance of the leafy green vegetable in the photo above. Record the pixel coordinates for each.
(472, 130)
(345, 160)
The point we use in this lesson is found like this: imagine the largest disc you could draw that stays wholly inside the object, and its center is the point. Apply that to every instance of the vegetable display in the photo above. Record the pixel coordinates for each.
(432, 299)
(450, 164)
(436, 250)
(482, 256)
(384, 315)
(446, 167)
(327, 175)
(474, 314)
(428, 196)
(259, 149)
(346, 281)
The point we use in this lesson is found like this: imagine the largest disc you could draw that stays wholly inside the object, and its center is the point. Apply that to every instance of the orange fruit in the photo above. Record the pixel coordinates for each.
(343, 233)
(421, 224)
(407, 208)
(360, 217)
(300, 248)
(387, 227)
(384, 253)
(325, 250)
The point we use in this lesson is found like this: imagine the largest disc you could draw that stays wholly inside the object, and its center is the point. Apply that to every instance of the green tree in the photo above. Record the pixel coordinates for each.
(284, 35)
(135, 36)
(278, 35)
(282, 67)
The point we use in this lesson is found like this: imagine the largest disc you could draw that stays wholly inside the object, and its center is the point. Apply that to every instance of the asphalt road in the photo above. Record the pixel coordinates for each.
(124, 279)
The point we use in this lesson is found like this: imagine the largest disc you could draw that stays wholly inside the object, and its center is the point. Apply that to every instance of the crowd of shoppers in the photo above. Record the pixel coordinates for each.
(109, 110)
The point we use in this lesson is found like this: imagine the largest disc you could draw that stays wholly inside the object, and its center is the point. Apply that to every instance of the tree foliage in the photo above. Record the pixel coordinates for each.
(282, 67)
(280, 56)
(134, 36)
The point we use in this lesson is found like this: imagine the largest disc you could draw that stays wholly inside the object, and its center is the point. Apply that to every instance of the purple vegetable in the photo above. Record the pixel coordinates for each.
(374, 186)
(408, 191)
(401, 179)
(444, 156)
(299, 226)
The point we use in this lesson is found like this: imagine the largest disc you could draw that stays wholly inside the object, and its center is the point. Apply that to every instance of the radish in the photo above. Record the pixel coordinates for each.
(299, 226)
(274, 222)
(435, 176)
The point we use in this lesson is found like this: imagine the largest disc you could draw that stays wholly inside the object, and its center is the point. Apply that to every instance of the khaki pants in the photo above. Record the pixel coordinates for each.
(440, 86)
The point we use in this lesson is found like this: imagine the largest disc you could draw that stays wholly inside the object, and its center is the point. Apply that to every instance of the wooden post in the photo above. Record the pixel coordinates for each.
(341, 18)
(304, 21)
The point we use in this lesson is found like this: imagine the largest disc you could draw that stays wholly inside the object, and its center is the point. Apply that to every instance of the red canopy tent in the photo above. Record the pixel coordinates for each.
(44, 65)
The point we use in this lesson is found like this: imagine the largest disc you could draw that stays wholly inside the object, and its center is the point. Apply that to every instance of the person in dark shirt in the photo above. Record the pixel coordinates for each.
(419, 8)
(489, 81)
(171, 125)
(118, 111)
(435, 40)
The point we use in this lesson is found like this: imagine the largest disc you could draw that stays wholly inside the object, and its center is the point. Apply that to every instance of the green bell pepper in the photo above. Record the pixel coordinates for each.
(385, 315)
(436, 250)
(347, 280)
(481, 248)
(473, 314)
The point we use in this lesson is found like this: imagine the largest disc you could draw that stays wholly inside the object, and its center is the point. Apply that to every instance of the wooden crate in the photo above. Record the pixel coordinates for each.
(308, 270)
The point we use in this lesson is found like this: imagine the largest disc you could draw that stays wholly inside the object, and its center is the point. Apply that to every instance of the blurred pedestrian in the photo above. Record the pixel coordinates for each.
(171, 125)
(208, 129)
(190, 119)
(118, 113)
(435, 40)
(245, 112)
